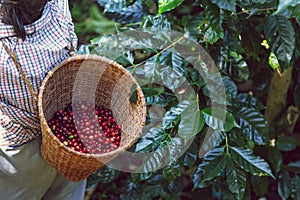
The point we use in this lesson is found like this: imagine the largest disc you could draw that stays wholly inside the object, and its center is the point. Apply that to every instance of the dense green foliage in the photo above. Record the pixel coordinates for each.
(256, 147)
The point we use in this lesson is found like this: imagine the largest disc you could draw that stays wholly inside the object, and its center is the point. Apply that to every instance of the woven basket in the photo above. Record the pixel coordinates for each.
(68, 83)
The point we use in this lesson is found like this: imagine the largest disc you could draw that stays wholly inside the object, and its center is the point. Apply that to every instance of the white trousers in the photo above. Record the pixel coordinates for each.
(25, 175)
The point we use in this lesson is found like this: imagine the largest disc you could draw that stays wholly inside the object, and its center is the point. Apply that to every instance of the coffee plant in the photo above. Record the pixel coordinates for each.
(243, 146)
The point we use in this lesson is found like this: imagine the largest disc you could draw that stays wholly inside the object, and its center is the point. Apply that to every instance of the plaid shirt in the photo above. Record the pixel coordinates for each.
(46, 45)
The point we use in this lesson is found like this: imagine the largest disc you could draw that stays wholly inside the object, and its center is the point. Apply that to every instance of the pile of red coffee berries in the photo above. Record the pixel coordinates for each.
(86, 128)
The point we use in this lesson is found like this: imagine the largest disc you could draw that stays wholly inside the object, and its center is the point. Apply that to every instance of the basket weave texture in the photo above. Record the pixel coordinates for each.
(93, 79)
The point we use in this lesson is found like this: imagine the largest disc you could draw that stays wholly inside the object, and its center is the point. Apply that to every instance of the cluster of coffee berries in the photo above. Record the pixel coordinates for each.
(86, 128)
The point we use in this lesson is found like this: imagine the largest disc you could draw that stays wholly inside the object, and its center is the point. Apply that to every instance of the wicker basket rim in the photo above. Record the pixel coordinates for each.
(80, 58)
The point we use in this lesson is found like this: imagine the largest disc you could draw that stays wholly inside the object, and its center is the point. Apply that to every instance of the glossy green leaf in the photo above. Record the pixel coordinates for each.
(175, 147)
(200, 172)
(216, 89)
(236, 179)
(151, 69)
(219, 119)
(247, 100)
(252, 124)
(130, 14)
(226, 4)
(131, 191)
(167, 5)
(231, 89)
(284, 4)
(190, 156)
(154, 160)
(174, 60)
(160, 99)
(250, 163)
(214, 17)
(284, 185)
(112, 5)
(233, 65)
(166, 69)
(195, 24)
(285, 143)
(275, 157)
(212, 139)
(172, 171)
(151, 140)
(173, 116)
(214, 168)
(191, 122)
(280, 34)
(156, 21)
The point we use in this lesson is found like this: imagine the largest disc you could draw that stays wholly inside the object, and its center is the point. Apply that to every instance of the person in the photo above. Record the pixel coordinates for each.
(41, 34)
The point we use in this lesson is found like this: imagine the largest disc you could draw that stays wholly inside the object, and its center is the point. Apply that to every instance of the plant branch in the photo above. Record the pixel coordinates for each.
(257, 10)
(160, 52)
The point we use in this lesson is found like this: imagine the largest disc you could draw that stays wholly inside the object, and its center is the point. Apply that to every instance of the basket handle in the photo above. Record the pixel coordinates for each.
(29, 85)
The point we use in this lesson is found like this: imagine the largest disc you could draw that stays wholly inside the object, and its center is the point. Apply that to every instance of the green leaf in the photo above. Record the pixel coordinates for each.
(247, 100)
(295, 187)
(214, 168)
(260, 185)
(236, 180)
(284, 185)
(283, 4)
(231, 89)
(195, 24)
(160, 99)
(190, 156)
(151, 68)
(214, 18)
(200, 172)
(216, 90)
(130, 191)
(285, 143)
(173, 116)
(252, 124)
(225, 4)
(154, 161)
(174, 60)
(212, 139)
(233, 65)
(130, 14)
(175, 147)
(151, 140)
(275, 158)
(167, 5)
(156, 21)
(273, 61)
(172, 171)
(249, 162)
(191, 122)
(150, 192)
(166, 68)
(112, 5)
(294, 167)
(280, 34)
(219, 119)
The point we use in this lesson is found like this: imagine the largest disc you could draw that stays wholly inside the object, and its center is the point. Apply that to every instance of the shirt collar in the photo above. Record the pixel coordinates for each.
(8, 30)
